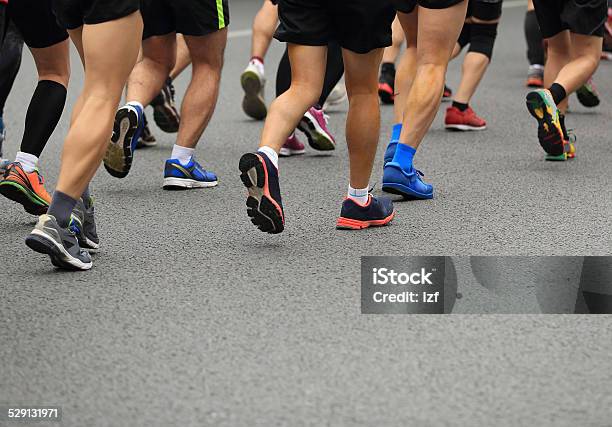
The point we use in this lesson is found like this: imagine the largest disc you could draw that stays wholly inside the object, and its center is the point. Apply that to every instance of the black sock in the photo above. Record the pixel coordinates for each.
(460, 106)
(43, 114)
(61, 208)
(535, 46)
(558, 92)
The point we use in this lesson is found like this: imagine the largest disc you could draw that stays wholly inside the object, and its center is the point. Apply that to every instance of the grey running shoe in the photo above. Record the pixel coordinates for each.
(59, 243)
(83, 224)
(165, 113)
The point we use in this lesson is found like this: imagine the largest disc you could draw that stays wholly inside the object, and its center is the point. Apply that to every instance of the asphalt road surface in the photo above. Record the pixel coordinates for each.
(191, 316)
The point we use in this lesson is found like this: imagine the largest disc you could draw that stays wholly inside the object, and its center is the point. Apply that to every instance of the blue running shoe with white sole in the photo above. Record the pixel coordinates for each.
(126, 133)
(390, 152)
(375, 213)
(179, 176)
(405, 183)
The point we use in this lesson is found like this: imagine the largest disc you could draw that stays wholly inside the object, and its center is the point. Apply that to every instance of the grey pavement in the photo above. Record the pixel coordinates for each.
(191, 316)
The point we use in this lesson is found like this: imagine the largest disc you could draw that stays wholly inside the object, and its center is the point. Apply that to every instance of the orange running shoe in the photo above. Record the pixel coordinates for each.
(25, 188)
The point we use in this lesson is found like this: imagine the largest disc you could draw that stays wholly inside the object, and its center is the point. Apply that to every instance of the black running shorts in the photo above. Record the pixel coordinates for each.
(586, 17)
(407, 6)
(36, 22)
(486, 10)
(357, 25)
(72, 14)
(188, 17)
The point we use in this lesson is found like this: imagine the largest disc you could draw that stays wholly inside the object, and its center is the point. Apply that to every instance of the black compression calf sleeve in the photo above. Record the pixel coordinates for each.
(333, 71)
(43, 114)
(535, 46)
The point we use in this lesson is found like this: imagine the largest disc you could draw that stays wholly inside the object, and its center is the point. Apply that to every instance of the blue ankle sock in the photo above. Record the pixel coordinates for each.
(395, 133)
(404, 155)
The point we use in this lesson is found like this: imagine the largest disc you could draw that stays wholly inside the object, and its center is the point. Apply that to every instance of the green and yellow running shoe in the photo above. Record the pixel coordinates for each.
(542, 107)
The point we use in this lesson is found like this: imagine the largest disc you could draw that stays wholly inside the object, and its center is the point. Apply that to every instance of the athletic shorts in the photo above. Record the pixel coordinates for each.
(486, 10)
(357, 25)
(188, 17)
(3, 22)
(586, 17)
(36, 22)
(73, 14)
(407, 6)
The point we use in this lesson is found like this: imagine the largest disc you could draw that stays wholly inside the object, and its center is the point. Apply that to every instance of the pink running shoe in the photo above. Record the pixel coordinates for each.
(292, 147)
(314, 126)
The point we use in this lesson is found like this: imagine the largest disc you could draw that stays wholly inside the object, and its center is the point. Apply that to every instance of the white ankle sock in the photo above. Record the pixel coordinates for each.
(136, 104)
(182, 154)
(272, 155)
(360, 195)
(28, 161)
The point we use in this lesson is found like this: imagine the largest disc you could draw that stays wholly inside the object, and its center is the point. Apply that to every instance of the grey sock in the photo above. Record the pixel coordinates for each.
(61, 208)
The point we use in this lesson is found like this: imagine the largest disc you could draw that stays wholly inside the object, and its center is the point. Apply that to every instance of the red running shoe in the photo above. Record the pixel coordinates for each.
(463, 120)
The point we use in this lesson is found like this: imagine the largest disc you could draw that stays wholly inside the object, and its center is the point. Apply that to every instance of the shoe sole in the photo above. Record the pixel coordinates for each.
(587, 98)
(405, 192)
(261, 208)
(551, 141)
(119, 155)
(353, 224)
(385, 93)
(39, 242)
(253, 104)
(288, 152)
(464, 127)
(181, 184)
(166, 118)
(31, 203)
(317, 137)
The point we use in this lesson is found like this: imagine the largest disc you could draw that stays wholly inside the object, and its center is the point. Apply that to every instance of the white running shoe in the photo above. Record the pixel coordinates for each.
(253, 82)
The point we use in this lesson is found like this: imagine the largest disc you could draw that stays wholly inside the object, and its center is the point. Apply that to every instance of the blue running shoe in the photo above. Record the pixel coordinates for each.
(192, 175)
(390, 152)
(264, 204)
(405, 183)
(375, 213)
(126, 133)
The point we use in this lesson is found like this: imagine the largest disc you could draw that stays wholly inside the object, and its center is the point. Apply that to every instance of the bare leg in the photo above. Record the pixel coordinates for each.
(474, 66)
(307, 71)
(363, 121)
(149, 75)
(585, 55)
(559, 47)
(406, 69)
(435, 45)
(201, 96)
(183, 59)
(264, 25)
(109, 59)
(392, 52)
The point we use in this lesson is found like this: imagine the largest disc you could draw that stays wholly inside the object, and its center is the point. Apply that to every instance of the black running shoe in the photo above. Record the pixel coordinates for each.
(85, 225)
(147, 139)
(165, 114)
(386, 84)
(59, 243)
(447, 94)
(260, 177)
(126, 132)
